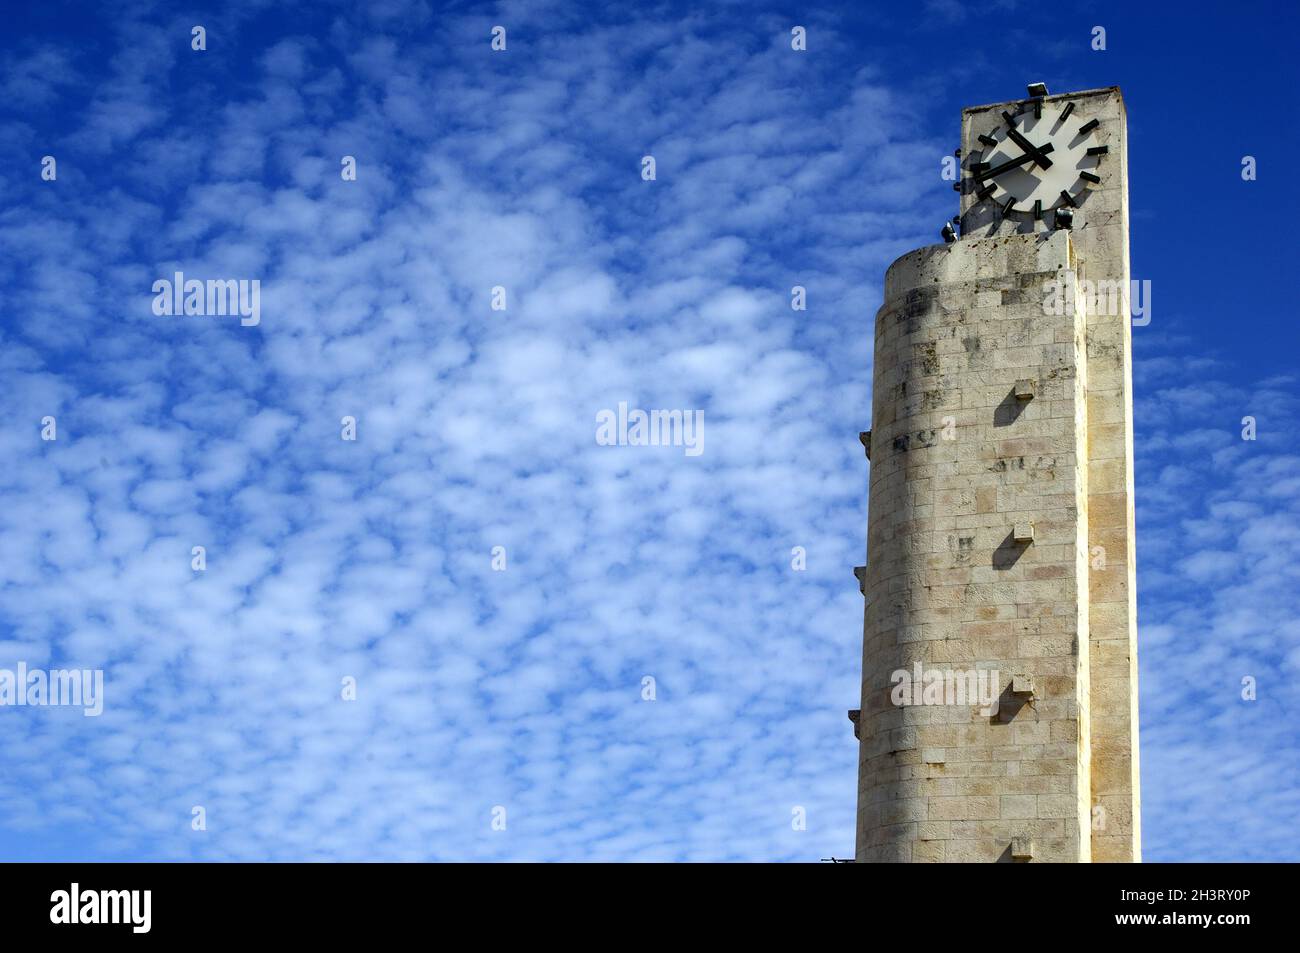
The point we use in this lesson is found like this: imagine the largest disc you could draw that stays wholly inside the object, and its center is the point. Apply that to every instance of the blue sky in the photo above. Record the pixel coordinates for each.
(522, 688)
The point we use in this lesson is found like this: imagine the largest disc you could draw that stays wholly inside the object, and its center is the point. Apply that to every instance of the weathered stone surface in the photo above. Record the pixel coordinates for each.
(1003, 458)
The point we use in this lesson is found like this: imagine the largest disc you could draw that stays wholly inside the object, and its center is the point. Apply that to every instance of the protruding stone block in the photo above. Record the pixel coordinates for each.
(861, 573)
(865, 437)
(1022, 685)
(1022, 848)
(1026, 389)
(1023, 532)
(854, 715)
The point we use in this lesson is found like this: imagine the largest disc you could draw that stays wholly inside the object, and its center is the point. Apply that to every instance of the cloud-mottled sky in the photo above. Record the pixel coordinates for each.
(372, 559)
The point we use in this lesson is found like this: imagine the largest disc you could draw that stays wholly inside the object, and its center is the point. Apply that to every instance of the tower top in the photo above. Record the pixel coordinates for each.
(1042, 163)
(1110, 91)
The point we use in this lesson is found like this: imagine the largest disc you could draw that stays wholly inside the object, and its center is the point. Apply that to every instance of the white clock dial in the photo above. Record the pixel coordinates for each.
(1038, 159)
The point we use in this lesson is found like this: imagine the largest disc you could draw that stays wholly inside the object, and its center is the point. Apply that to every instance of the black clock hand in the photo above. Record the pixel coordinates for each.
(1037, 156)
(1040, 155)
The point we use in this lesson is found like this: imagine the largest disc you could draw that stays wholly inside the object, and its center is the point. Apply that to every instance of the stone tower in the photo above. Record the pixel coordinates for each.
(1000, 538)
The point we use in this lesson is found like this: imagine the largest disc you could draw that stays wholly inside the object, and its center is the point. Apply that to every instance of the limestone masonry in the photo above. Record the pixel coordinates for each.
(1000, 537)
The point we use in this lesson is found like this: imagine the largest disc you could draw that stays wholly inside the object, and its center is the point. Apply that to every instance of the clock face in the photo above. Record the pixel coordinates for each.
(1036, 160)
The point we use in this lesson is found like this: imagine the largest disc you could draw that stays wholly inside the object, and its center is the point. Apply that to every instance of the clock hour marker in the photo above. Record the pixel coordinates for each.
(988, 140)
(1009, 119)
(987, 190)
(1098, 150)
(1065, 113)
(1009, 206)
(1038, 109)
(1089, 126)
(978, 167)
(1067, 198)
(1088, 176)
(1038, 209)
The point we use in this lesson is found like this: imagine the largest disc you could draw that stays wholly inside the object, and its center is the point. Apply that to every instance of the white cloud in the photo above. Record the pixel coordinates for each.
(372, 559)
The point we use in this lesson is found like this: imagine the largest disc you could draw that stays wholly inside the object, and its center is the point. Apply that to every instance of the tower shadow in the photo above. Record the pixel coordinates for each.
(1008, 552)
(1009, 411)
(1009, 706)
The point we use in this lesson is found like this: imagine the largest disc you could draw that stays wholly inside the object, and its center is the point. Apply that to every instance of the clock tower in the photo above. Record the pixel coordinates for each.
(1000, 546)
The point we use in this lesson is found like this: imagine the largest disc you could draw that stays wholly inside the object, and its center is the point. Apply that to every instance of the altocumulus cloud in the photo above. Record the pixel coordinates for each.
(1219, 611)
(328, 558)
(372, 559)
